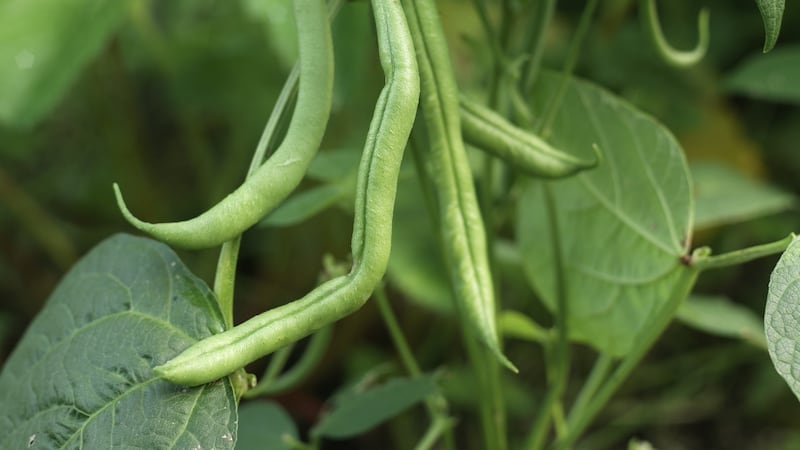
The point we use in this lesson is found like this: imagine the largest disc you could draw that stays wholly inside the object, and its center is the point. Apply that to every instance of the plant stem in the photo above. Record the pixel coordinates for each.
(558, 357)
(580, 419)
(596, 377)
(535, 44)
(273, 384)
(569, 66)
(741, 256)
(436, 405)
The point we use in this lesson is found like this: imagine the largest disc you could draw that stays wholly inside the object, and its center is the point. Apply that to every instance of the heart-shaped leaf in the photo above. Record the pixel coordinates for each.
(623, 227)
(82, 377)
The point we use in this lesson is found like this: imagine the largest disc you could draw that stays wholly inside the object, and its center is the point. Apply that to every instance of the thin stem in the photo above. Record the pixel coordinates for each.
(743, 255)
(435, 431)
(225, 278)
(273, 384)
(535, 44)
(581, 419)
(559, 356)
(596, 377)
(569, 65)
(398, 338)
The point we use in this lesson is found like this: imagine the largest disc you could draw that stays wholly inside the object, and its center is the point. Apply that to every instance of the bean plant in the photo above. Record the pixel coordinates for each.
(543, 227)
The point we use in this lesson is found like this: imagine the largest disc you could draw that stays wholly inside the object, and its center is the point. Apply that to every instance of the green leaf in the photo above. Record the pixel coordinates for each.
(81, 377)
(771, 77)
(356, 413)
(624, 226)
(782, 316)
(44, 45)
(721, 317)
(724, 196)
(303, 205)
(263, 426)
(772, 15)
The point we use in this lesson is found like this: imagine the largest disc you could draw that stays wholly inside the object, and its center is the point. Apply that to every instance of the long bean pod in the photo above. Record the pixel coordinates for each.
(523, 150)
(284, 170)
(379, 169)
(464, 236)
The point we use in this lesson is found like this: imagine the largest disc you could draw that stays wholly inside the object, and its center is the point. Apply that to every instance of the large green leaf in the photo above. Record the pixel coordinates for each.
(782, 316)
(723, 196)
(624, 226)
(772, 15)
(769, 77)
(82, 375)
(44, 44)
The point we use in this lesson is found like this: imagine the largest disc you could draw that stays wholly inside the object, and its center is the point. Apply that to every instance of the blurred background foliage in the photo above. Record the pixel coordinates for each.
(169, 99)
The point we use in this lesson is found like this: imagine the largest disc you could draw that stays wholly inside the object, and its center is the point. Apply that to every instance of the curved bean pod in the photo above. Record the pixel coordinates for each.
(673, 57)
(523, 150)
(379, 169)
(465, 238)
(284, 170)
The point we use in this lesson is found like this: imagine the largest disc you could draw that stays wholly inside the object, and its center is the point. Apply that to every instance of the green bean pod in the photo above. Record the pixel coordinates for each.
(284, 170)
(379, 169)
(464, 238)
(523, 150)
(670, 55)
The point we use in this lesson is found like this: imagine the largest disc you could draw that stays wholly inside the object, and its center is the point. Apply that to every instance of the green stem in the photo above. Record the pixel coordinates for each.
(569, 66)
(398, 338)
(581, 419)
(596, 377)
(535, 44)
(703, 262)
(273, 384)
(559, 356)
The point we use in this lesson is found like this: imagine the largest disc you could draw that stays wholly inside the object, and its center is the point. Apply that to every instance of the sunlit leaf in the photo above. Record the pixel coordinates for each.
(624, 226)
(82, 375)
(303, 205)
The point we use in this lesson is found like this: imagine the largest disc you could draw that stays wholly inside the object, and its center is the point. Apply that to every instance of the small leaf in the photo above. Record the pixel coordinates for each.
(355, 414)
(302, 206)
(772, 15)
(721, 317)
(782, 316)
(81, 377)
(44, 45)
(725, 196)
(264, 426)
(771, 77)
